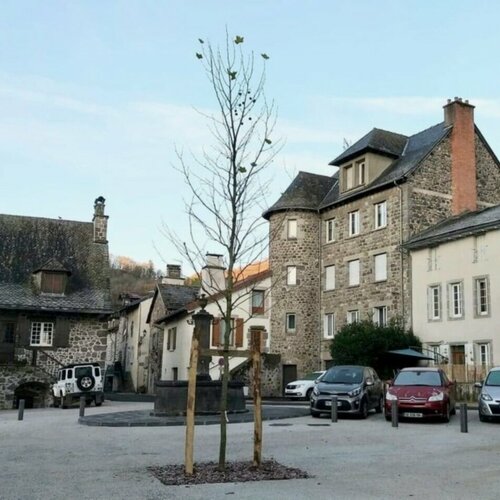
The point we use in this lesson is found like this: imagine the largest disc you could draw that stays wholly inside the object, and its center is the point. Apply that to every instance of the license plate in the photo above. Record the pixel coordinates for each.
(411, 414)
(329, 403)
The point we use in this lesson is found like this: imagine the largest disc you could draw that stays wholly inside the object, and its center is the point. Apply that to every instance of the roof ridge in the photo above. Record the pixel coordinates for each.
(45, 218)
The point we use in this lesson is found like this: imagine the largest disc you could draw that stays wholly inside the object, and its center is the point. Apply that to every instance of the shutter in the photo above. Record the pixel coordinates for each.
(216, 332)
(23, 331)
(239, 332)
(174, 338)
(61, 338)
(169, 336)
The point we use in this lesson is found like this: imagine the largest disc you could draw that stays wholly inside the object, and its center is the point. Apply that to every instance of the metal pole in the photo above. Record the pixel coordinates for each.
(334, 409)
(394, 413)
(82, 406)
(463, 418)
(20, 415)
(255, 341)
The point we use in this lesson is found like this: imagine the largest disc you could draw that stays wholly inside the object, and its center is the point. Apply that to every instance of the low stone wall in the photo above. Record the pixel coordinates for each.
(12, 376)
(270, 376)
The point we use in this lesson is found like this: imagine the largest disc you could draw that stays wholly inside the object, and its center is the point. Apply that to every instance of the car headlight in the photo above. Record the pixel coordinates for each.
(316, 390)
(486, 397)
(299, 386)
(391, 397)
(438, 396)
(354, 392)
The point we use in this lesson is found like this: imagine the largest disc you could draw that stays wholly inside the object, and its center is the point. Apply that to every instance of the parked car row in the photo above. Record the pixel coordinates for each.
(420, 392)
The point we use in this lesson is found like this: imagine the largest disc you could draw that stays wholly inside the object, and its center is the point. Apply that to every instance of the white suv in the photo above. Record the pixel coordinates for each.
(77, 380)
(302, 388)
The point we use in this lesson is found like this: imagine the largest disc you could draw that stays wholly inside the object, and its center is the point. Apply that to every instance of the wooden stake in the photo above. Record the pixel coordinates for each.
(255, 337)
(191, 400)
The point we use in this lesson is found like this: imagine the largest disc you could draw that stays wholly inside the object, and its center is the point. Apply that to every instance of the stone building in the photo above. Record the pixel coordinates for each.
(336, 242)
(54, 300)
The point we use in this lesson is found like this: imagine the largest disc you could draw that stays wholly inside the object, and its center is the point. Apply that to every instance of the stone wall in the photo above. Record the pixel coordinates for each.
(270, 375)
(302, 347)
(487, 175)
(12, 376)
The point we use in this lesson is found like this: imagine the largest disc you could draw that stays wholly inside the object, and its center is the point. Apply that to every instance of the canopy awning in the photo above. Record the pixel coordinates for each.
(409, 353)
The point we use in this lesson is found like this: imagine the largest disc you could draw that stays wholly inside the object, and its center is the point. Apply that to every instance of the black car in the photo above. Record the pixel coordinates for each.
(358, 390)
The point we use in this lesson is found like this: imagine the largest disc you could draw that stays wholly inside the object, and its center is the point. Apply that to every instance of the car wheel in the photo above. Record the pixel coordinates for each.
(315, 414)
(65, 402)
(85, 383)
(363, 409)
(446, 416)
(308, 394)
(453, 410)
(98, 401)
(380, 405)
(388, 417)
(57, 402)
(483, 418)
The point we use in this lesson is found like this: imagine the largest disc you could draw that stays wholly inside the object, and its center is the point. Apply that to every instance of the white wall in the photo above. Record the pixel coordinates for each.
(463, 259)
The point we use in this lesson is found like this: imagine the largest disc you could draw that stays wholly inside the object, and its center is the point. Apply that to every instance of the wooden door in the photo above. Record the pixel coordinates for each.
(289, 374)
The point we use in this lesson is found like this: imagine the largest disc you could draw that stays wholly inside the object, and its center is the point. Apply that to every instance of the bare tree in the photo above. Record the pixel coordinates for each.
(226, 181)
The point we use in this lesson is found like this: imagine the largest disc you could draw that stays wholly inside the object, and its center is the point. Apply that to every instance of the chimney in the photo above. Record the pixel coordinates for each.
(100, 221)
(460, 115)
(173, 276)
(213, 278)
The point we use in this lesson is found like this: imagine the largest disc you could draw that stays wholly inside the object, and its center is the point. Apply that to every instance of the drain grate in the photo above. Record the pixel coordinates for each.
(280, 425)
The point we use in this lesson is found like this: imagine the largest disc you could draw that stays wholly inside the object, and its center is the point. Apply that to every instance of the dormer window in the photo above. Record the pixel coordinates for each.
(51, 278)
(349, 177)
(53, 282)
(355, 174)
(361, 172)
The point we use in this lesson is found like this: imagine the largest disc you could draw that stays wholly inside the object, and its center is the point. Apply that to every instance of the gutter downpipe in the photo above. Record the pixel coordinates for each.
(401, 258)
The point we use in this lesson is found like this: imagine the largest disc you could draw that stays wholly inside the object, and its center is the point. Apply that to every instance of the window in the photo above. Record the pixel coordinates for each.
(171, 339)
(354, 223)
(42, 333)
(292, 229)
(291, 275)
(258, 302)
(329, 326)
(381, 267)
(352, 316)
(455, 292)
(349, 177)
(330, 230)
(52, 282)
(329, 277)
(434, 351)
(361, 172)
(70, 373)
(291, 323)
(380, 215)
(380, 315)
(434, 302)
(223, 332)
(63, 374)
(353, 272)
(484, 354)
(8, 333)
(481, 296)
(175, 373)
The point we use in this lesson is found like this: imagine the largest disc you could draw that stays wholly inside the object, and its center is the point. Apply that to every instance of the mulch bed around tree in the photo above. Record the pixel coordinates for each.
(236, 472)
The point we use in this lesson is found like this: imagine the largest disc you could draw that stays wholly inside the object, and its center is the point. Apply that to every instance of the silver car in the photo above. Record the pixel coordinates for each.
(358, 389)
(489, 397)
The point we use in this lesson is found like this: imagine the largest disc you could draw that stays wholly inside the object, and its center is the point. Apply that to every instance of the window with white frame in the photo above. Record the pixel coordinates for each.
(329, 277)
(353, 267)
(455, 299)
(349, 177)
(434, 349)
(291, 275)
(434, 302)
(42, 333)
(329, 326)
(361, 172)
(291, 322)
(330, 230)
(258, 299)
(483, 354)
(481, 298)
(292, 229)
(380, 214)
(380, 261)
(354, 223)
(352, 316)
(380, 315)
(171, 339)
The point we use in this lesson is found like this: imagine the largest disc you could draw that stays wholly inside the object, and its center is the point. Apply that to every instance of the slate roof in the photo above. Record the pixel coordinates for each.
(377, 140)
(176, 296)
(316, 192)
(28, 244)
(457, 227)
(304, 193)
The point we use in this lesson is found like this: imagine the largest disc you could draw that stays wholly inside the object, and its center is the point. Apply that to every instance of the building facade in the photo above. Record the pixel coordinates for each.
(336, 243)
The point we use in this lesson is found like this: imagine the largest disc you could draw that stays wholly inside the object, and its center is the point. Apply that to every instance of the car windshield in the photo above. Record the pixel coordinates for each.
(493, 378)
(83, 371)
(343, 375)
(418, 378)
(312, 376)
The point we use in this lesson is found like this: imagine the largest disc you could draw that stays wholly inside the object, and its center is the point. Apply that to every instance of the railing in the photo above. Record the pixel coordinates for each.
(465, 373)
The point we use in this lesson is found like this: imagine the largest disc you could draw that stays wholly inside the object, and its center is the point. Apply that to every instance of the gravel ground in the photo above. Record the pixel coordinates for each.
(50, 456)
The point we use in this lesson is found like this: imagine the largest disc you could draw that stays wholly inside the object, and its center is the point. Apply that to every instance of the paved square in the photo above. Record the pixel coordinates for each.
(50, 456)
